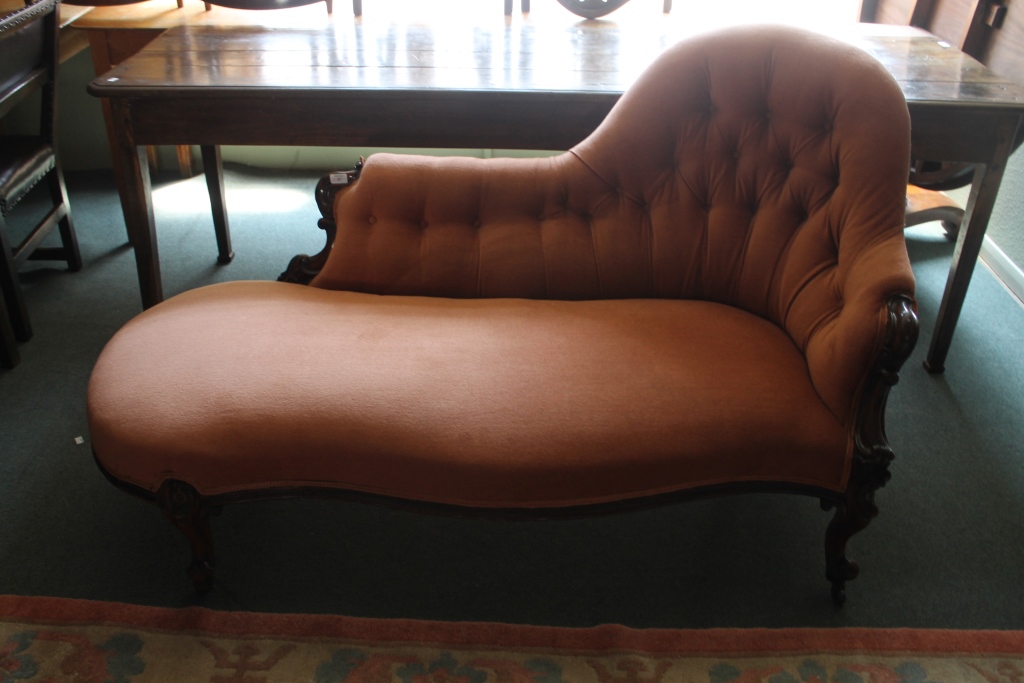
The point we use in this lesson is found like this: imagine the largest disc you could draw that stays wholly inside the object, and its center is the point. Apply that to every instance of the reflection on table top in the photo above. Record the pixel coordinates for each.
(499, 54)
(164, 14)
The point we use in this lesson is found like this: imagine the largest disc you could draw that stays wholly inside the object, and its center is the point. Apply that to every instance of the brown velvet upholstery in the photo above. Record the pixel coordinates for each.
(700, 293)
(496, 403)
(738, 171)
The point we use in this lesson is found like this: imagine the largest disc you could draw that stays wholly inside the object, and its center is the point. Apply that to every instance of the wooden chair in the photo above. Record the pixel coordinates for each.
(357, 5)
(29, 46)
(929, 179)
(588, 9)
(925, 206)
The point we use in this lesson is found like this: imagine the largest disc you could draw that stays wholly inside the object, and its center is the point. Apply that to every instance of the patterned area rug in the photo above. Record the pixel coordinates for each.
(53, 639)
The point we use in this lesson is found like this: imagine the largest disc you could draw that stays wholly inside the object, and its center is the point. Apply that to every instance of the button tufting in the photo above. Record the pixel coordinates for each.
(371, 220)
(476, 224)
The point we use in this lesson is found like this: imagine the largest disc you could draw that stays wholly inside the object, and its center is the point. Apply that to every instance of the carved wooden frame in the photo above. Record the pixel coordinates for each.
(854, 507)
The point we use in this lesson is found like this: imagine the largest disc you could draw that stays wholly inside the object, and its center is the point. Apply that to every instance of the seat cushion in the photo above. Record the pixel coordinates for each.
(24, 161)
(474, 402)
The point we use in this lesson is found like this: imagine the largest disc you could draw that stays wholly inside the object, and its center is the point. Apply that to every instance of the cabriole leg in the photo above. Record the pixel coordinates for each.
(187, 510)
(855, 508)
(853, 513)
(838, 567)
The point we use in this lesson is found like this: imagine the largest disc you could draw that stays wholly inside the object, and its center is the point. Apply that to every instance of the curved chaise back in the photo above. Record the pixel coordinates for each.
(761, 167)
(759, 164)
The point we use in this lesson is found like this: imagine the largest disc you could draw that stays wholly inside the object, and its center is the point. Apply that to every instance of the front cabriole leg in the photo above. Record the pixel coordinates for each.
(188, 511)
(855, 507)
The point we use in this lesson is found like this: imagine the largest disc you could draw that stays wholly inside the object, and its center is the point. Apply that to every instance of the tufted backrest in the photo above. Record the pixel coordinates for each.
(760, 167)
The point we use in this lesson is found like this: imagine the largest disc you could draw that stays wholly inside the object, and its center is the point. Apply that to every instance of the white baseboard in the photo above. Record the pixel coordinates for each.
(1005, 270)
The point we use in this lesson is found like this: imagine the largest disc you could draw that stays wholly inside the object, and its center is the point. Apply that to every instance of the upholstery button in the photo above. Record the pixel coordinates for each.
(476, 224)
(423, 225)
(371, 220)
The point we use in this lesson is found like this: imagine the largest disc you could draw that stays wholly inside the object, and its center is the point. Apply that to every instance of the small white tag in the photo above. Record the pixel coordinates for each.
(339, 178)
(79, 440)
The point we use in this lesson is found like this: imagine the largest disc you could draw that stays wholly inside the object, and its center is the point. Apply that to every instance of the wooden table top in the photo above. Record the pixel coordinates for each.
(482, 53)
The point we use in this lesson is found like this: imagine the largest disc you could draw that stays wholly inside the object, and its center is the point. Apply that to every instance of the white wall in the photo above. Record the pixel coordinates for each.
(1007, 226)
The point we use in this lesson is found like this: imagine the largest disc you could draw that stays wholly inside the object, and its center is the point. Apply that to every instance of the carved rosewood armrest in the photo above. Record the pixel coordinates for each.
(302, 268)
(872, 455)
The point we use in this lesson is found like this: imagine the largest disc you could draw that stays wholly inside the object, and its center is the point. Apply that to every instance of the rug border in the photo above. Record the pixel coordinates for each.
(608, 637)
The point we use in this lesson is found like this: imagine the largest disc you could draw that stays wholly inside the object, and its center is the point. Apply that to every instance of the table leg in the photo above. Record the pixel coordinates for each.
(109, 48)
(184, 160)
(131, 168)
(214, 170)
(984, 188)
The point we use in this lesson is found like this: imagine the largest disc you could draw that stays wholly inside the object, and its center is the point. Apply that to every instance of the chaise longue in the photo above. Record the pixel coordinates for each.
(710, 294)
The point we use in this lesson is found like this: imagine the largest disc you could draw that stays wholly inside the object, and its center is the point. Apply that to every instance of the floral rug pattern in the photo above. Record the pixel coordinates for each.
(125, 644)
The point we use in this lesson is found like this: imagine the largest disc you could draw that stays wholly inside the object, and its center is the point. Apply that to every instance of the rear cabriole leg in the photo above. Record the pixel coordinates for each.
(189, 512)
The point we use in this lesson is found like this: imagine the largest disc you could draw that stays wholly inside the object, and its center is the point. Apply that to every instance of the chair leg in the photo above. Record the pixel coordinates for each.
(68, 238)
(10, 288)
(9, 356)
(214, 170)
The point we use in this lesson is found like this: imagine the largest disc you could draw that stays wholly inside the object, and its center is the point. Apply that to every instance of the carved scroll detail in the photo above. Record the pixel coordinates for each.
(302, 268)
(872, 455)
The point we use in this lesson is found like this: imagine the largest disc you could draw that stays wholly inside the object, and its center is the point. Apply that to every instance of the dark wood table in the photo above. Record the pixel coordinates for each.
(496, 84)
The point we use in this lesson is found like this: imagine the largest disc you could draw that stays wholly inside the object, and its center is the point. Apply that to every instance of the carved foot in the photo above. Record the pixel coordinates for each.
(841, 570)
(187, 510)
(838, 567)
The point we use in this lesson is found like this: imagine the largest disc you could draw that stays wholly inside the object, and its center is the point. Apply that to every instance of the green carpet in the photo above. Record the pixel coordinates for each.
(947, 550)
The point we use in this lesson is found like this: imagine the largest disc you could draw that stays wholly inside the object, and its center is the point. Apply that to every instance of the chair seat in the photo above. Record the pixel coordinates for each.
(487, 403)
(24, 161)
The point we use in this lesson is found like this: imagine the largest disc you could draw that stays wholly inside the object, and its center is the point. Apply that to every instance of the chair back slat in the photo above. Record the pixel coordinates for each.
(23, 47)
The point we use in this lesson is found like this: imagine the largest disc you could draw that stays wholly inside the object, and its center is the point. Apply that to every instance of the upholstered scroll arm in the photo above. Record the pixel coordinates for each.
(846, 346)
(465, 228)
